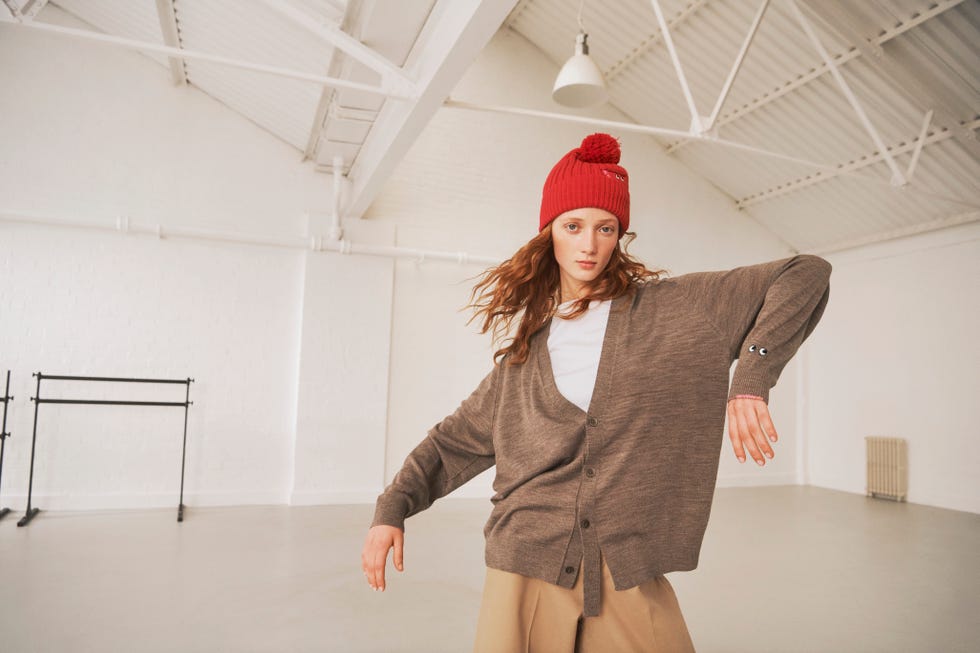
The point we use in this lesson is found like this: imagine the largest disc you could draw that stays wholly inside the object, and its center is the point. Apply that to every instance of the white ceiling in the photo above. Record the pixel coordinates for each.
(829, 188)
(901, 59)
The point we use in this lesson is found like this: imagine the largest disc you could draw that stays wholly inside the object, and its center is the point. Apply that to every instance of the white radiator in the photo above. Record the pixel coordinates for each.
(888, 468)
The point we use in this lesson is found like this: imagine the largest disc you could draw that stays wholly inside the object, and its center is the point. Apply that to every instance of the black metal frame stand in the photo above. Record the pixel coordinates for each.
(4, 435)
(31, 512)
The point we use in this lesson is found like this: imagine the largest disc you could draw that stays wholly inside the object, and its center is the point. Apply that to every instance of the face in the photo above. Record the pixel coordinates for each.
(584, 240)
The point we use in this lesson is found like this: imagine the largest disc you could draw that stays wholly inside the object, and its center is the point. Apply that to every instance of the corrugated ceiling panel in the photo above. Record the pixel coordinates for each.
(132, 19)
(774, 106)
(329, 11)
(253, 32)
(284, 107)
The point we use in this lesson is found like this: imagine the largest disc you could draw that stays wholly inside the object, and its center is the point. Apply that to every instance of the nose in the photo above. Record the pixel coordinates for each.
(588, 242)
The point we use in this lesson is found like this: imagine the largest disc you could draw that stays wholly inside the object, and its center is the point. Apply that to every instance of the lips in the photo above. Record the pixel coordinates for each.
(587, 264)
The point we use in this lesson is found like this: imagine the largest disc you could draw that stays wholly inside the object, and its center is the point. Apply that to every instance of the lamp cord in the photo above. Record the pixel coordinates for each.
(581, 27)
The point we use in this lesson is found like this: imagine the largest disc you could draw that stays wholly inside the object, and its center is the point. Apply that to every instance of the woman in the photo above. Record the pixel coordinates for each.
(602, 416)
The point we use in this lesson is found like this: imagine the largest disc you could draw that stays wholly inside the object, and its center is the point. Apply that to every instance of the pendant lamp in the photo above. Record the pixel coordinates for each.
(579, 83)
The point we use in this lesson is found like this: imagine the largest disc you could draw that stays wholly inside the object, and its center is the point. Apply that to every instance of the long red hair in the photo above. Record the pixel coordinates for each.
(528, 284)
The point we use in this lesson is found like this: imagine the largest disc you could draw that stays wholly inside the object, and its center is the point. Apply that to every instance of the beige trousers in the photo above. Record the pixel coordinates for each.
(528, 615)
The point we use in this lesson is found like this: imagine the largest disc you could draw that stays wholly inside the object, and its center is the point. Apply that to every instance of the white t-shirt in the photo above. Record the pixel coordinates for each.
(575, 346)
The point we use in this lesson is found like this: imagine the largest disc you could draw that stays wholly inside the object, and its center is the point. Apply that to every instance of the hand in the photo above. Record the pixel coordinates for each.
(747, 417)
(374, 557)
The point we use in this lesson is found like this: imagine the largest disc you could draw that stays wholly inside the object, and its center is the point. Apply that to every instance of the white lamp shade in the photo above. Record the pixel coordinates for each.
(579, 82)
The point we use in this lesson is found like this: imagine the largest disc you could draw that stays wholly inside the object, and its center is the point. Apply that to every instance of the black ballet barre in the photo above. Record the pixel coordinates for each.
(38, 400)
(4, 435)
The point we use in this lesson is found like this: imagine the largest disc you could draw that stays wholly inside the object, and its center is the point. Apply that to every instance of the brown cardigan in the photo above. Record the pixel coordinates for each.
(635, 475)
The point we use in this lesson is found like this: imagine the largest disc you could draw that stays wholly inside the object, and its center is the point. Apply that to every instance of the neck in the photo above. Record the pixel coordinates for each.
(571, 290)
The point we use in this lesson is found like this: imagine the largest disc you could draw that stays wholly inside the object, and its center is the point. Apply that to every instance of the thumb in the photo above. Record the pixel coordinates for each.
(399, 551)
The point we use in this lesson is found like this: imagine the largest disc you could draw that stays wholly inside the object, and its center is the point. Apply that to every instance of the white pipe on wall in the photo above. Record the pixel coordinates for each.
(336, 232)
(315, 243)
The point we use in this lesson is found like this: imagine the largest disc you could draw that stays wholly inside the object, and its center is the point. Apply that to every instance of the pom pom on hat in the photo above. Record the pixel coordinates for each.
(588, 176)
(599, 148)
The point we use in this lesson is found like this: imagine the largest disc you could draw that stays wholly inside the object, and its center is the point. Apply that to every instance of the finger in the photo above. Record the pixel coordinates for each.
(745, 435)
(733, 433)
(766, 420)
(399, 551)
(366, 562)
(380, 560)
(755, 428)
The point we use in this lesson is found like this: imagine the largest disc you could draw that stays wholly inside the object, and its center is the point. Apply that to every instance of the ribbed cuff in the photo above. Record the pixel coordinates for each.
(749, 382)
(389, 511)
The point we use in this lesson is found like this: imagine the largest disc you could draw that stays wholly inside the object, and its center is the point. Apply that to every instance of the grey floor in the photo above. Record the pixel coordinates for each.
(782, 569)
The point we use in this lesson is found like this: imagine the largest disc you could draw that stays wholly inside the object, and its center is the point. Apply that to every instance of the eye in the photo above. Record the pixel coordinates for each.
(606, 229)
(571, 226)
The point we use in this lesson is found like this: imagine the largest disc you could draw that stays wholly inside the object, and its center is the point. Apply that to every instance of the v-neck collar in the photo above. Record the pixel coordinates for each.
(607, 363)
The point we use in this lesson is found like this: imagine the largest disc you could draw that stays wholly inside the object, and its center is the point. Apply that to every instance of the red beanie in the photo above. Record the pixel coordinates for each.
(588, 177)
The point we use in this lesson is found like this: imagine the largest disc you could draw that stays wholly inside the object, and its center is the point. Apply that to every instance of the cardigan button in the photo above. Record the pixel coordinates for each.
(751, 347)
(590, 472)
(763, 351)
(585, 523)
(593, 421)
(569, 570)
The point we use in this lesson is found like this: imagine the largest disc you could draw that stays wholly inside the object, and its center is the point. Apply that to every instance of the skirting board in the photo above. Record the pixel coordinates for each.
(18, 502)
(760, 478)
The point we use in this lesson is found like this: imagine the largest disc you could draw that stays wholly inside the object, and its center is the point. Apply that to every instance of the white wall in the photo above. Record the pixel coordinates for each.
(896, 355)
(343, 379)
(472, 182)
(92, 132)
(317, 373)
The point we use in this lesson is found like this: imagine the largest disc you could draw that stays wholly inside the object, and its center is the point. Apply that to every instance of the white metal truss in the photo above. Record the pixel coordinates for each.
(700, 126)
(453, 36)
(13, 8)
(805, 78)
(727, 87)
(918, 145)
(631, 127)
(171, 36)
(864, 162)
(392, 76)
(328, 96)
(652, 41)
(898, 179)
(697, 127)
(901, 232)
(917, 84)
(133, 44)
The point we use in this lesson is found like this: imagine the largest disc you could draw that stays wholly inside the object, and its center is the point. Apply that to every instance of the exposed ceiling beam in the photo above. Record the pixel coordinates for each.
(855, 165)
(696, 125)
(454, 35)
(805, 78)
(920, 87)
(171, 36)
(328, 95)
(630, 127)
(901, 232)
(134, 44)
(898, 178)
(392, 75)
(32, 7)
(651, 41)
(13, 8)
(739, 58)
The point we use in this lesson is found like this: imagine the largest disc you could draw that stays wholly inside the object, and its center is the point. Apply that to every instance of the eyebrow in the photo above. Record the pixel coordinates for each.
(600, 221)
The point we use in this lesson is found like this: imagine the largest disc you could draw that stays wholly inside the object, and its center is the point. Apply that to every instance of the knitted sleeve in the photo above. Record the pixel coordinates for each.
(454, 451)
(765, 312)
